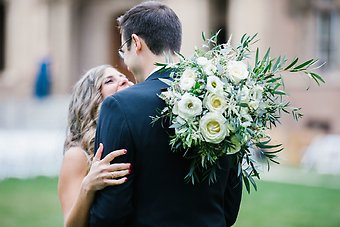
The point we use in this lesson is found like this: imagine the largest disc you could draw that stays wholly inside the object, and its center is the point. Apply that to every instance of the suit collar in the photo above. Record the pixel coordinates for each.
(160, 73)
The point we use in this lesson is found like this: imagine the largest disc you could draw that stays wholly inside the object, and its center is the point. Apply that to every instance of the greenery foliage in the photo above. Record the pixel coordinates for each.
(218, 105)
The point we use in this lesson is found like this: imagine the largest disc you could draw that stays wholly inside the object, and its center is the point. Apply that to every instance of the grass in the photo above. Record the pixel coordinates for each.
(34, 203)
(278, 204)
(30, 203)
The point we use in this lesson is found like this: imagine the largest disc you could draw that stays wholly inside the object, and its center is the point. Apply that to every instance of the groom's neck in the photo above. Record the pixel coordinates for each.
(149, 64)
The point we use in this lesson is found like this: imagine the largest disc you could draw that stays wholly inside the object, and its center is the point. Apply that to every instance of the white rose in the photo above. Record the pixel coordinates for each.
(188, 79)
(214, 85)
(189, 106)
(186, 83)
(237, 71)
(215, 103)
(202, 61)
(213, 127)
(189, 73)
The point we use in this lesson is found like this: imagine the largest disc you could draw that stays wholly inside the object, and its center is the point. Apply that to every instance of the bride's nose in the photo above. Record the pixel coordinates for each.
(123, 81)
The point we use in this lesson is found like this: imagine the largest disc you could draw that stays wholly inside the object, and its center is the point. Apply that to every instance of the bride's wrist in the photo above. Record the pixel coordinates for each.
(86, 186)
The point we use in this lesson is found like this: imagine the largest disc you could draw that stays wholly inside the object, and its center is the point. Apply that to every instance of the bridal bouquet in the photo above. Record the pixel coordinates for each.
(219, 105)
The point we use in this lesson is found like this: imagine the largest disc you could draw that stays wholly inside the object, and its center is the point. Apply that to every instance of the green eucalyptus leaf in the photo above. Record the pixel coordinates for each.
(306, 64)
(292, 64)
(317, 78)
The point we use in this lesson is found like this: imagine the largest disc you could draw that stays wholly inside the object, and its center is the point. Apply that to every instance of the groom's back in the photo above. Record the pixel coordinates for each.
(161, 197)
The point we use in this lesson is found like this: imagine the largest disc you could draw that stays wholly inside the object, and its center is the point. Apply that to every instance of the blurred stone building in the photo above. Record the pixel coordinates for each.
(76, 35)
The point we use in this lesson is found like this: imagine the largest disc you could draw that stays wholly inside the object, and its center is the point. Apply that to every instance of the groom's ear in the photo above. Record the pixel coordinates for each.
(137, 42)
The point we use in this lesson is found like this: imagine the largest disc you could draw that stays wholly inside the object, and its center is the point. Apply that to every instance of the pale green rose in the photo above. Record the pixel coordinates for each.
(215, 103)
(213, 127)
(214, 85)
(237, 71)
(236, 145)
(189, 106)
(188, 79)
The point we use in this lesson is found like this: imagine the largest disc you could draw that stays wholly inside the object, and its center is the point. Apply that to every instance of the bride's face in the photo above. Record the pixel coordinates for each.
(113, 82)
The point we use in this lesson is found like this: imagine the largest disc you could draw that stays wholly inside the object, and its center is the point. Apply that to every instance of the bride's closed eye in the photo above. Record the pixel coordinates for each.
(109, 80)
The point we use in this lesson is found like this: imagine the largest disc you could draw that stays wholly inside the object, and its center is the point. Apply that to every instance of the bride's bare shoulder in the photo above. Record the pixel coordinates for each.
(76, 157)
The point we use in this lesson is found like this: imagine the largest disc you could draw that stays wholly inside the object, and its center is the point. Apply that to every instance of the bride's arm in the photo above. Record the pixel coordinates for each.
(77, 187)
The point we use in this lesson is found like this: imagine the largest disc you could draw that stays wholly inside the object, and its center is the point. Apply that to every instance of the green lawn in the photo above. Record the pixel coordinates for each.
(34, 203)
(276, 204)
(30, 203)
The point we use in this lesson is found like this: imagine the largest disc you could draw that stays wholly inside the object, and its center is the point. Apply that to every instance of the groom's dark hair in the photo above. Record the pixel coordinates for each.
(156, 23)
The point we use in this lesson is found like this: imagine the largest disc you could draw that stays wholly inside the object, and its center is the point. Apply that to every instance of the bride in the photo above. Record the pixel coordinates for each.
(82, 173)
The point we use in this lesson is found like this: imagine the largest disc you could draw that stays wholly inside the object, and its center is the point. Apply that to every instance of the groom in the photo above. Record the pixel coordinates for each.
(155, 193)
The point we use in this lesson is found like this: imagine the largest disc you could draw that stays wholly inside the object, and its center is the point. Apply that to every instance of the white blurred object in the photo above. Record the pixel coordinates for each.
(323, 155)
(30, 153)
(32, 133)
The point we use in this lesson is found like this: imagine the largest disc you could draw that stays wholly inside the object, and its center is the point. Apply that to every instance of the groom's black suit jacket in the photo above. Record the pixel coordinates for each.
(156, 193)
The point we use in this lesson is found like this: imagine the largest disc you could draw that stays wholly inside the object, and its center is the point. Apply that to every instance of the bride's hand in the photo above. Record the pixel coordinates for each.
(103, 174)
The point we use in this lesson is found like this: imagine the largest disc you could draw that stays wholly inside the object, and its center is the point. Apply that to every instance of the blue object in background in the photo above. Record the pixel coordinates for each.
(43, 80)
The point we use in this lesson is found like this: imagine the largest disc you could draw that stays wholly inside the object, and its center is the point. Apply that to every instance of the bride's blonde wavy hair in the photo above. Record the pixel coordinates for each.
(83, 112)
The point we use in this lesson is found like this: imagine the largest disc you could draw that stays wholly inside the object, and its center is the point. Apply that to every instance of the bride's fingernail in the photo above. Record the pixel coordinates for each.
(126, 179)
(125, 151)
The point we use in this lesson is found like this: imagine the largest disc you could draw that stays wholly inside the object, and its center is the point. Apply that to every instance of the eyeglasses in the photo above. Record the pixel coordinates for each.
(120, 50)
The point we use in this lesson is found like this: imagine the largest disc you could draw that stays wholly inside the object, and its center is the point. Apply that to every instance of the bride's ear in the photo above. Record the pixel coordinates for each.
(137, 42)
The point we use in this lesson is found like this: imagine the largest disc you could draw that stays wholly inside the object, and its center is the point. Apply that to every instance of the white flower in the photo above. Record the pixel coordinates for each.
(237, 71)
(243, 95)
(254, 105)
(202, 61)
(257, 93)
(246, 124)
(189, 106)
(167, 94)
(214, 84)
(244, 113)
(188, 79)
(175, 108)
(213, 127)
(215, 103)
(209, 69)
